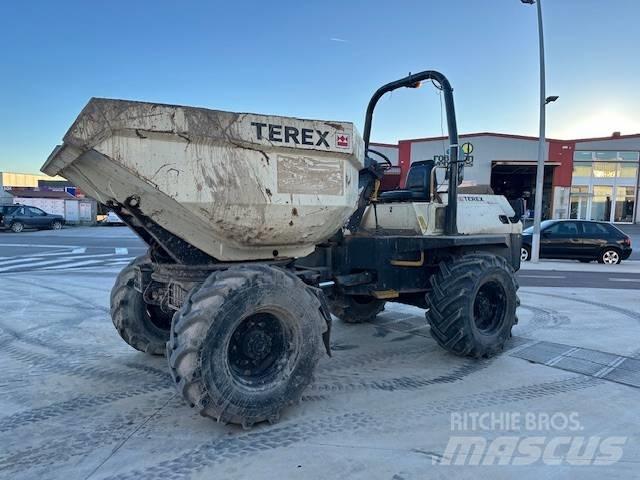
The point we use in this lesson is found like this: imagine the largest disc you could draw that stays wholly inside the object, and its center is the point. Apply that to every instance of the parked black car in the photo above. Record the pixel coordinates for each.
(19, 217)
(581, 240)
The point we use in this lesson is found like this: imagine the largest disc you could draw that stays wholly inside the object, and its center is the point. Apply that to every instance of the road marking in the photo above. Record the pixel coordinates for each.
(72, 265)
(66, 251)
(34, 245)
(624, 280)
(122, 251)
(29, 263)
(610, 367)
(78, 250)
(18, 260)
(541, 276)
(563, 355)
(89, 264)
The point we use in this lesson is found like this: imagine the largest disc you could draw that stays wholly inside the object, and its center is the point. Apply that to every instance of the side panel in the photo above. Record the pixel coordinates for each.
(404, 264)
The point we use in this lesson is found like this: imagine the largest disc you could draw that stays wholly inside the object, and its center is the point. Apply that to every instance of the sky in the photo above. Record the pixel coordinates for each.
(318, 59)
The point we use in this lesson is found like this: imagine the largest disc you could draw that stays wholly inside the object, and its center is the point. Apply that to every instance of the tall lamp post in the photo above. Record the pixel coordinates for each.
(537, 209)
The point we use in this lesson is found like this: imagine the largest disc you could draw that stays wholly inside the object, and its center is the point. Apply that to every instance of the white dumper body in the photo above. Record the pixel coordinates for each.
(238, 186)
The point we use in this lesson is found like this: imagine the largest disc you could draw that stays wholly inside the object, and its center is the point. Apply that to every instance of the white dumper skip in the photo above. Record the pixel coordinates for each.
(237, 186)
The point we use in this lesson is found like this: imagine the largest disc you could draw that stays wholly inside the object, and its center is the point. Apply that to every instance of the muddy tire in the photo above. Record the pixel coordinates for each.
(144, 327)
(246, 343)
(355, 308)
(472, 305)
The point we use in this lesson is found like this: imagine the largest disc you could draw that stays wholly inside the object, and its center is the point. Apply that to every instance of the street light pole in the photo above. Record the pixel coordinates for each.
(537, 209)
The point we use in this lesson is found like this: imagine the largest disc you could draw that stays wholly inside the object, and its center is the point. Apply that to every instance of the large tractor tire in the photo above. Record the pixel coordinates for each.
(246, 343)
(144, 327)
(355, 308)
(472, 304)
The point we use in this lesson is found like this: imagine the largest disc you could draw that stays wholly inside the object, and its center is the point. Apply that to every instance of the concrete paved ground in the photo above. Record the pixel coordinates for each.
(79, 403)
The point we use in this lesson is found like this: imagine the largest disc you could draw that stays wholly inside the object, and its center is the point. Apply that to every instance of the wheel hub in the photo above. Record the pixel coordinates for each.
(257, 347)
(489, 307)
(257, 344)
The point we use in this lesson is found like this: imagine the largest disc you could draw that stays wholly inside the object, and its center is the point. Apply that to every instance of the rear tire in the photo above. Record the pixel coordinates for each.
(355, 308)
(246, 343)
(525, 253)
(610, 256)
(144, 327)
(472, 305)
(17, 227)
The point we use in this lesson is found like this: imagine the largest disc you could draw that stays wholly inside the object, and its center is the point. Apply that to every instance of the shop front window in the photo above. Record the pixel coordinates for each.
(601, 203)
(604, 185)
(579, 200)
(625, 204)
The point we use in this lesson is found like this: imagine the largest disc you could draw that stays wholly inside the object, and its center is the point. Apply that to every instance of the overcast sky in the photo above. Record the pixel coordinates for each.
(318, 59)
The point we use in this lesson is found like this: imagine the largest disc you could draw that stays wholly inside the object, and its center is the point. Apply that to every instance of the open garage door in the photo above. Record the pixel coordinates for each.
(517, 179)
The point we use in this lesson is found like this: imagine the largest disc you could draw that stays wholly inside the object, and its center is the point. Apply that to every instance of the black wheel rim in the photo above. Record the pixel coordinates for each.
(258, 349)
(489, 307)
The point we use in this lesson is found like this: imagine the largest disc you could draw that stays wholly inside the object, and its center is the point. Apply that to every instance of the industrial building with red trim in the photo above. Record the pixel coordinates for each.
(587, 178)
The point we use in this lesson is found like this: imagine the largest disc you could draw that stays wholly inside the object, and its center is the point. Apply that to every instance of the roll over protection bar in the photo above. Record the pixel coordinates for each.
(412, 81)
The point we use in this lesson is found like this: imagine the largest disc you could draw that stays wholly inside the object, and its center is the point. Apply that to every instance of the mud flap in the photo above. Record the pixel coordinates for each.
(324, 310)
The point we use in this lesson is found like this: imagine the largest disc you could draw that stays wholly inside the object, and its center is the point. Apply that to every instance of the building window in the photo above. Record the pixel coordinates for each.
(579, 200)
(582, 169)
(628, 170)
(582, 156)
(604, 186)
(625, 204)
(604, 169)
(632, 156)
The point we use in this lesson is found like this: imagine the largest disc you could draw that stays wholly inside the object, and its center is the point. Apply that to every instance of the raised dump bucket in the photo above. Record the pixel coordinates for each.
(238, 186)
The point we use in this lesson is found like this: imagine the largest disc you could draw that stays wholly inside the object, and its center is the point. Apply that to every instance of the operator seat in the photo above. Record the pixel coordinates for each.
(417, 188)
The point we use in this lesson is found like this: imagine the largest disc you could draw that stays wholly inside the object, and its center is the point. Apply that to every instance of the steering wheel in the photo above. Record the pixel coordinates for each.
(383, 156)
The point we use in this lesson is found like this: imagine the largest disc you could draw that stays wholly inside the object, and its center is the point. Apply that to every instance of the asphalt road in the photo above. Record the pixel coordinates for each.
(87, 247)
(69, 248)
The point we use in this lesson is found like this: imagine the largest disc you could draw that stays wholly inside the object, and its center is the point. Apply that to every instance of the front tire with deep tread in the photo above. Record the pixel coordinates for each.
(259, 316)
(355, 308)
(472, 304)
(144, 327)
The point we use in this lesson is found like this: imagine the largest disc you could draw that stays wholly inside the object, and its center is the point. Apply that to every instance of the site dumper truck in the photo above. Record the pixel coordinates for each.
(260, 227)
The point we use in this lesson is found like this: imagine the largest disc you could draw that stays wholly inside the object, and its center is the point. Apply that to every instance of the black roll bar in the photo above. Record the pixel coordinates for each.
(413, 81)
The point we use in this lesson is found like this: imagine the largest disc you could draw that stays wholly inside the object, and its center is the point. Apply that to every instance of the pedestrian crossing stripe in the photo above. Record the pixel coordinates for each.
(66, 261)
